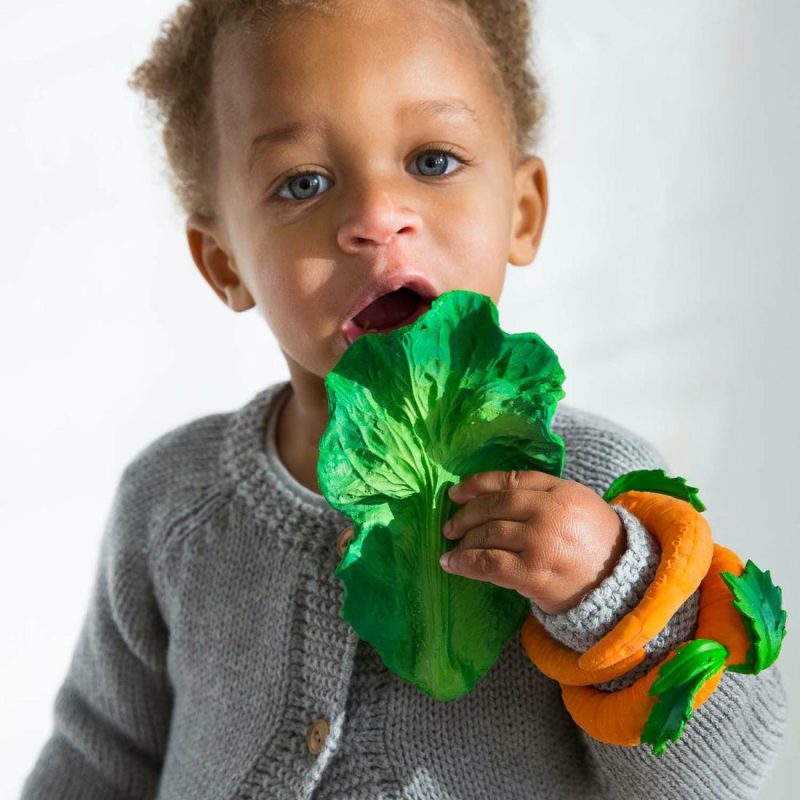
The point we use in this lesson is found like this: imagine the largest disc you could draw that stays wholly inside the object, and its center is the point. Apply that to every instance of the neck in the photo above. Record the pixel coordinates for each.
(301, 424)
(307, 407)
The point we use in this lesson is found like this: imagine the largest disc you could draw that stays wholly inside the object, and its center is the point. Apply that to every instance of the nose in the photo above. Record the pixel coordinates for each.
(375, 220)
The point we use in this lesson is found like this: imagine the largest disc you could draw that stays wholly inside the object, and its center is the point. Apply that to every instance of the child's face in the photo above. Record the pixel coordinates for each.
(374, 204)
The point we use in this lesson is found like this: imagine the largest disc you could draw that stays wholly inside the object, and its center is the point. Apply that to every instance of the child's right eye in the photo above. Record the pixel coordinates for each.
(307, 181)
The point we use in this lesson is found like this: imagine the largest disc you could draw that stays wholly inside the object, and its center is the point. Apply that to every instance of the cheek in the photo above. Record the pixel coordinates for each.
(475, 239)
(293, 293)
(270, 287)
(280, 299)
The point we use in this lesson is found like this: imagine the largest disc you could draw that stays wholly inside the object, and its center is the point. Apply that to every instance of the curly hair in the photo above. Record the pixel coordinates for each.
(176, 79)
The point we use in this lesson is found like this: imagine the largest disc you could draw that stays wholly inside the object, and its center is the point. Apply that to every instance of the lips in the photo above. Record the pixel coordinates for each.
(416, 282)
(353, 331)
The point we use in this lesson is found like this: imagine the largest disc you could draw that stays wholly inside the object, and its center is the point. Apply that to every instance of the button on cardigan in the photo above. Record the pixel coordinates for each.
(213, 663)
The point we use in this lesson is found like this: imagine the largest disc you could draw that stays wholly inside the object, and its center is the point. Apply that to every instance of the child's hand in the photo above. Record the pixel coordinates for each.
(552, 540)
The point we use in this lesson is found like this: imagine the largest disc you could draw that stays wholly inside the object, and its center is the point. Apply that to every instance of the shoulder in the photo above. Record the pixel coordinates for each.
(599, 450)
(186, 455)
(167, 482)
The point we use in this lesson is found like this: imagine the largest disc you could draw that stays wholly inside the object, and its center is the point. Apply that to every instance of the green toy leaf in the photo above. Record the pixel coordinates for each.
(758, 600)
(412, 412)
(654, 480)
(678, 680)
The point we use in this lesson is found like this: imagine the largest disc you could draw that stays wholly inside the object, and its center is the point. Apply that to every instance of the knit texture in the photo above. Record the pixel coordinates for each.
(600, 610)
(213, 642)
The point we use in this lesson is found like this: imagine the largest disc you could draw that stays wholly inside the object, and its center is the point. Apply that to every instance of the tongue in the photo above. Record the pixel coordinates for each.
(388, 310)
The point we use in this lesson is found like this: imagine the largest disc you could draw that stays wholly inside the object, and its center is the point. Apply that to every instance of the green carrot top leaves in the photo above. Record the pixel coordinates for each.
(412, 412)
(679, 679)
(758, 600)
(654, 480)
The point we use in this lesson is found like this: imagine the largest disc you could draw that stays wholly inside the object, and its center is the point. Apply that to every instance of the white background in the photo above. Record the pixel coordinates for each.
(667, 282)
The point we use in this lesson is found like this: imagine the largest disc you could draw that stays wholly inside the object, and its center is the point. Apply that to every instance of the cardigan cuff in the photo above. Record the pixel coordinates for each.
(620, 592)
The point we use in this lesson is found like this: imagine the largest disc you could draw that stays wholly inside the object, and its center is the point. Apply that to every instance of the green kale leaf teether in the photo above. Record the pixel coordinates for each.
(412, 412)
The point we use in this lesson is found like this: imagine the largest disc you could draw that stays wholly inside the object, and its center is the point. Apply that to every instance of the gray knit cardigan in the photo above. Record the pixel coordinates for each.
(213, 663)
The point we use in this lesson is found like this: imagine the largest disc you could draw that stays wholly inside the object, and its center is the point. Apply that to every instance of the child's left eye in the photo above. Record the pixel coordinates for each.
(433, 158)
(309, 180)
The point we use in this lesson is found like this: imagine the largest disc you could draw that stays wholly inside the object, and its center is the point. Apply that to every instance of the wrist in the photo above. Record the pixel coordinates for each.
(581, 625)
(590, 574)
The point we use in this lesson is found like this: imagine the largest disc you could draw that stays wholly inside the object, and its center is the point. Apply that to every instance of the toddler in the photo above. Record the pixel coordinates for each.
(341, 164)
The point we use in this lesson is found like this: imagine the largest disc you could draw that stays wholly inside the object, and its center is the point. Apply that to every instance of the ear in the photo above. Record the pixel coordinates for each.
(216, 265)
(529, 210)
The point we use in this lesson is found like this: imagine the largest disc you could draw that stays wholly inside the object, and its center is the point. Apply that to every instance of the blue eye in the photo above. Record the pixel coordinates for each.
(433, 159)
(303, 185)
(306, 183)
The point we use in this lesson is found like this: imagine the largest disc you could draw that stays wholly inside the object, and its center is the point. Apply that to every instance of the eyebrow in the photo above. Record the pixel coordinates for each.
(297, 131)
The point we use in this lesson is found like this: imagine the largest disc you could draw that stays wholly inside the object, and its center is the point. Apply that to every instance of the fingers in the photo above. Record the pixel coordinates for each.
(497, 535)
(483, 482)
(500, 567)
(495, 525)
(516, 505)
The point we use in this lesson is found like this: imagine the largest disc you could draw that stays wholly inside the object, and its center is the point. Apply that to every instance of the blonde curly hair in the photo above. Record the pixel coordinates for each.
(176, 78)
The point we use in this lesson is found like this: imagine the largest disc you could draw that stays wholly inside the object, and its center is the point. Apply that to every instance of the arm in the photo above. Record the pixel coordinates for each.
(602, 608)
(729, 744)
(111, 715)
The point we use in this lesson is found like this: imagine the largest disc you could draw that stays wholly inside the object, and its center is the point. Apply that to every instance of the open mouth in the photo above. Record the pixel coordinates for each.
(388, 313)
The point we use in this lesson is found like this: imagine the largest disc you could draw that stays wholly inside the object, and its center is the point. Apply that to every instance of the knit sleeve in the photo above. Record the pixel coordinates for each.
(112, 712)
(599, 451)
(728, 746)
(726, 751)
(620, 592)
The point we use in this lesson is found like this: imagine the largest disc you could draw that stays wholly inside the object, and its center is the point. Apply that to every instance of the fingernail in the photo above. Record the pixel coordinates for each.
(453, 491)
(444, 559)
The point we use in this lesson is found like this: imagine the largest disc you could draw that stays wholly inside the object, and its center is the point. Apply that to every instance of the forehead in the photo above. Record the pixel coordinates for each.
(349, 62)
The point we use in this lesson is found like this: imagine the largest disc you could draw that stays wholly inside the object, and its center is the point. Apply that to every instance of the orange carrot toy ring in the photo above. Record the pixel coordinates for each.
(686, 548)
(619, 717)
(740, 626)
